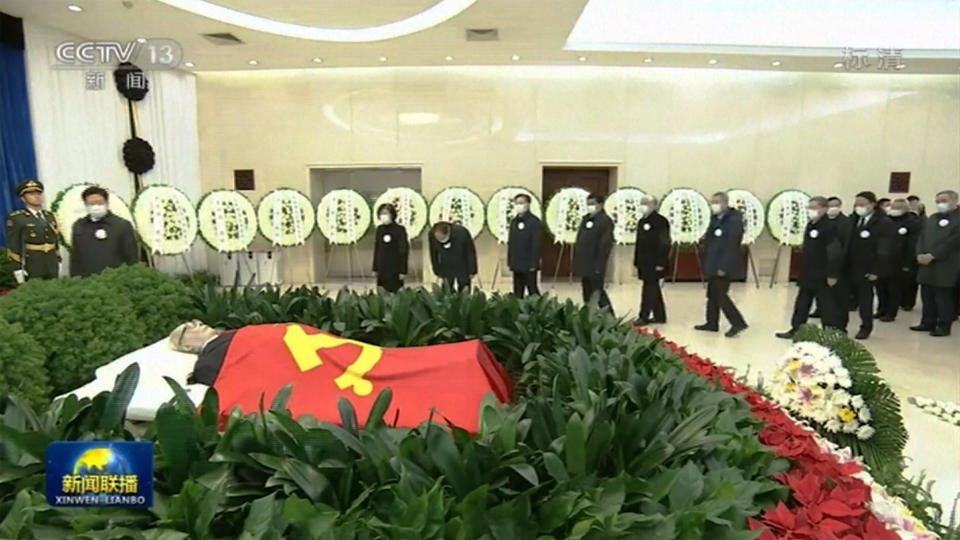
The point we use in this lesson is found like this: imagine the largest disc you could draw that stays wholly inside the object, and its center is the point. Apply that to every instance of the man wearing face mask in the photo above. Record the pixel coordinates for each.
(32, 236)
(900, 287)
(453, 255)
(821, 263)
(722, 262)
(916, 207)
(390, 250)
(869, 256)
(592, 250)
(523, 247)
(650, 258)
(101, 239)
(883, 204)
(938, 254)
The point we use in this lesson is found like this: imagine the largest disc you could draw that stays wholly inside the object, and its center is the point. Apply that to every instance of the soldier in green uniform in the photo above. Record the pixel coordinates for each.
(32, 236)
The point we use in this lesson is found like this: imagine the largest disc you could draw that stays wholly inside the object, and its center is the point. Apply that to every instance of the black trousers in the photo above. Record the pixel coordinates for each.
(840, 295)
(889, 290)
(651, 300)
(525, 283)
(824, 296)
(908, 288)
(863, 291)
(593, 285)
(459, 283)
(939, 306)
(389, 282)
(719, 300)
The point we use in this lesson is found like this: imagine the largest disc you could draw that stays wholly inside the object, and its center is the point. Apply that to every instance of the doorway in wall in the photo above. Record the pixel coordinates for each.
(371, 182)
(555, 178)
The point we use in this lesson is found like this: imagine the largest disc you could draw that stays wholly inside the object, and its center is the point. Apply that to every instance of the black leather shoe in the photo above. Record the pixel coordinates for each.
(706, 328)
(642, 321)
(878, 315)
(863, 334)
(921, 328)
(658, 321)
(907, 308)
(940, 332)
(734, 330)
(786, 335)
(887, 318)
(815, 314)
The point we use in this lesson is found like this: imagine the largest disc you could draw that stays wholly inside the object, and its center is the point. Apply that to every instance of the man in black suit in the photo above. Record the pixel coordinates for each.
(722, 262)
(938, 254)
(868, 256)
(453, 255)
(821, 260)
(840, 293)
(899, 288)
(650, 258)
(523, 247)
(592, 250)
(101, 239)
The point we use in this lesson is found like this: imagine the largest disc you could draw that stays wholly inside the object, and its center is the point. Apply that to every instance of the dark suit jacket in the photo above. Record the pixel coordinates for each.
(906, 229)
(941, 238)
(91, 255)
(869, 249)
(524, 243)
(653, 246)
(593, 245)
(821, 255)
(723, 250)
(457, 257)
(390, 250)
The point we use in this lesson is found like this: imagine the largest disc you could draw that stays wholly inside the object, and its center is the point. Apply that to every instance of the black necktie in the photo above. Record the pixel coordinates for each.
(863, 221)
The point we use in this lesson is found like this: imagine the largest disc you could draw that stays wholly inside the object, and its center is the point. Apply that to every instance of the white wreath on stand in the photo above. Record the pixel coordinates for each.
(752, 210)
(286, 217)
(565, 211)
(500, 211)
(227, 220)
(68, 206)
(688, 212)
(411, 208)
(459, 205)
(787, 216)
(343, 216)
(624, 208)
(165, 219)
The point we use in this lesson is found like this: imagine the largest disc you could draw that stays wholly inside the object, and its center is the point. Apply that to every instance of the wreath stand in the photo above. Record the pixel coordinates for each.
(351, 249)
(756, 278)
(556, 272)
(496, 272)
(676, 260)
(776, 264)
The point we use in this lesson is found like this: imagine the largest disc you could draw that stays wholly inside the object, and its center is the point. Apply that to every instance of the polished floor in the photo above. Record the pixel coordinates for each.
(913, 363)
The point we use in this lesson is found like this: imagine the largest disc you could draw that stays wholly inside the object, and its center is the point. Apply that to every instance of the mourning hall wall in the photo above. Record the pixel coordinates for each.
(487, 127)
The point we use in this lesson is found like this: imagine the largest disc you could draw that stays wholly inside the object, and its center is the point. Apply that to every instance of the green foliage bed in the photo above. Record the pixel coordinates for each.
(610, 438)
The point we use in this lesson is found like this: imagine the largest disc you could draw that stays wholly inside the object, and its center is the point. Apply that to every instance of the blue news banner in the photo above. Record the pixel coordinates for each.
(100, 473)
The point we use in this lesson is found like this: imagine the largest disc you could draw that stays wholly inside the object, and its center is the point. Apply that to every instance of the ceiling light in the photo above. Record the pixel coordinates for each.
(383, 58)
(515, 57)
(647, 60)
(252, 62)
(582, 58)
(74, 8)
(448, 58)
(775, 63)
(430, 17)
(141, 40)
(188, 64)
(317, 60)
(901, 66)
(712, 61)
(838, 65)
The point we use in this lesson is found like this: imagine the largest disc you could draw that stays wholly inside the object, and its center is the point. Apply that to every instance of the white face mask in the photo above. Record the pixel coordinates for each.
(833, 211)
(861, 210)
(592, 209)
(96, 211)
(943, 207)
(813, 214)
(385, 219)
(521, 208)
(644, 209)
(895, 213)
(716, 208)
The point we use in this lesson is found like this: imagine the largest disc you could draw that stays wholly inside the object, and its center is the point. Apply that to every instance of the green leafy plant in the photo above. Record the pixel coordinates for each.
(160, 302)
(885, 448)
(80, 324)
(22, 370)
(7, 280)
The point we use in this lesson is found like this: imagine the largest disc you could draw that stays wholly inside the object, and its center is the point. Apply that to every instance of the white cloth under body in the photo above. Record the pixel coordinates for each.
(156, 362)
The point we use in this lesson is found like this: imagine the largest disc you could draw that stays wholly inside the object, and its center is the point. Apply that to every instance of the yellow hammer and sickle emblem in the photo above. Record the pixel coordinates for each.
(304, 349)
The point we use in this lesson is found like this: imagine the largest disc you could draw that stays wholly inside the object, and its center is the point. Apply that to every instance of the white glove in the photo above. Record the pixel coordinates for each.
(20, 276)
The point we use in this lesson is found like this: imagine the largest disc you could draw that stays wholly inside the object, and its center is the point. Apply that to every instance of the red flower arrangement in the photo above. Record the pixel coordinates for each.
(829, 503)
